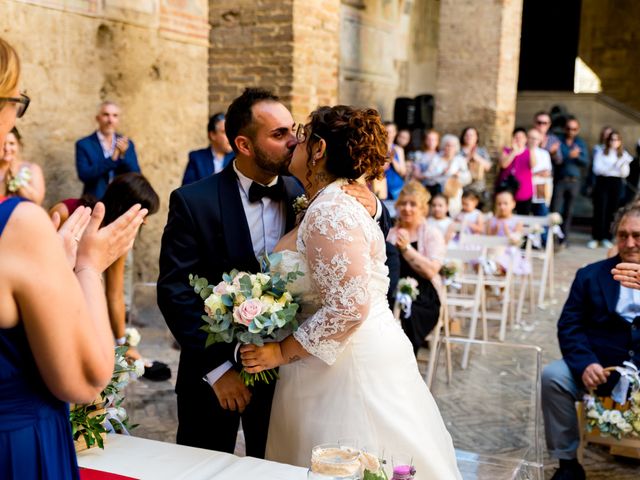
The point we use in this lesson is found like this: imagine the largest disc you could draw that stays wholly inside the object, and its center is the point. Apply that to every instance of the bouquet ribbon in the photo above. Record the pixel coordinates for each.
(557, 231)
(628, 374)
(112, 416)
(452, 282)
(536, 239)
(405, 301)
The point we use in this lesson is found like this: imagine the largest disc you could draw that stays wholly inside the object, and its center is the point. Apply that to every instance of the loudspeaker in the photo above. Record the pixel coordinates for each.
(404, 112)
(425, 105)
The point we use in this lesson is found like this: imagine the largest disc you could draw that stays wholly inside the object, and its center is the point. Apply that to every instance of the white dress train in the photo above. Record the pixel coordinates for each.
(361, 382)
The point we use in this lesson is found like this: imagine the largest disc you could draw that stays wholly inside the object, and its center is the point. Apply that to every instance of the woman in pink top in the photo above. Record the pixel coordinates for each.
(516, 165)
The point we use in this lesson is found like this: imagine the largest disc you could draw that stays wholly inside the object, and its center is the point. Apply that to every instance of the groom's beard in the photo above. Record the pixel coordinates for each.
(278, 165)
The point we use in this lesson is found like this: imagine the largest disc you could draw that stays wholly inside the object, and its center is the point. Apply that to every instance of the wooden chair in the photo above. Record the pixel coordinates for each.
(467, 302)
(503, 283)
(546, 281)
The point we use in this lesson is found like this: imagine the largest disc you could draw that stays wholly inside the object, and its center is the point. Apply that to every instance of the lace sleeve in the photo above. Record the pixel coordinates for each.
(337, 241)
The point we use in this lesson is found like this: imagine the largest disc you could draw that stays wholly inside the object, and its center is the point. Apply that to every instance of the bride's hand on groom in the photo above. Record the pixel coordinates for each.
(363, 195)
(231, 391)
(256, 359)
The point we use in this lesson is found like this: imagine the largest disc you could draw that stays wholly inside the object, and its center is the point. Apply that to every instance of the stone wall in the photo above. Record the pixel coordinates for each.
(150, 56)
(478, 55)
(610, 46)
(287, 46)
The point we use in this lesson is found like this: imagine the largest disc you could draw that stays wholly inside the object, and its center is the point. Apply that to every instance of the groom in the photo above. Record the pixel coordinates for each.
(223, 222)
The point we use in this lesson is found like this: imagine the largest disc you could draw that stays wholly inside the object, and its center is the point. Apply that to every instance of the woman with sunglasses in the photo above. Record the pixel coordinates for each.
(55, 339)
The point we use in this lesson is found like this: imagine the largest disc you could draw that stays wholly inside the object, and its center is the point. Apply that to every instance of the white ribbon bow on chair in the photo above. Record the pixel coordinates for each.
(628, 375)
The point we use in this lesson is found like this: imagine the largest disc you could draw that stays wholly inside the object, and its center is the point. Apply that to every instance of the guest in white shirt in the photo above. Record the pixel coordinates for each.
(610, 167)
(542, 173)
(450, 163)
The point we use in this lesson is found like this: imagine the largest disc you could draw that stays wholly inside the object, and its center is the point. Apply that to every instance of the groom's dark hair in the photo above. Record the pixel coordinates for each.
(239, 116)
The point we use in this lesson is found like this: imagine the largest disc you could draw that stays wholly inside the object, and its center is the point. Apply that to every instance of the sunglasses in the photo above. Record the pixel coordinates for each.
(22, 103)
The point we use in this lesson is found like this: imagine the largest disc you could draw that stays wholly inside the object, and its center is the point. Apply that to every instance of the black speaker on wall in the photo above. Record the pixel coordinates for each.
(414, 113)
(425, 105)
(404, 112)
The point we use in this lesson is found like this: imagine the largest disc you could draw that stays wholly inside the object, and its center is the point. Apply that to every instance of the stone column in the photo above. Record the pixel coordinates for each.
(478, 57)
(287, 46)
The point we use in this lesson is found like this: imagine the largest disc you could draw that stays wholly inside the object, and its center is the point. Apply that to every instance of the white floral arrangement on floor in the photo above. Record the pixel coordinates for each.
(89, 422)
(615, 422)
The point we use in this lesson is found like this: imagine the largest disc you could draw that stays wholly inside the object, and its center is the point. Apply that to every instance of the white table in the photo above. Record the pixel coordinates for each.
(148, 459)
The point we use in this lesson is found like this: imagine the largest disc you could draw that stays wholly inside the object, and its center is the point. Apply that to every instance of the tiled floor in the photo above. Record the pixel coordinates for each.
(152, 404)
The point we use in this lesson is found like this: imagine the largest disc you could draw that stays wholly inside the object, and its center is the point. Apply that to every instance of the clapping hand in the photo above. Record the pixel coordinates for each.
(403, 240)
(575, 152)
(71, 232)
(594, 375)
(100, 247)
(122, 144)
(256, 359)
(628, 274)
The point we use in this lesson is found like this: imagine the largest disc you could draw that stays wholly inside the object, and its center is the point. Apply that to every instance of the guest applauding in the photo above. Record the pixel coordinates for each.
(516, 166)
(422, 250)
(55, 341)
(21, 179)
(610, 167)
(477, 158)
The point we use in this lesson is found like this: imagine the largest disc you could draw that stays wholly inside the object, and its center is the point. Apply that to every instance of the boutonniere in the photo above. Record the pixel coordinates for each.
(300, 204)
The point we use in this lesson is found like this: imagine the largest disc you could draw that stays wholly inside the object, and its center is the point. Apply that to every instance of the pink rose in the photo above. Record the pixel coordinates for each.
(221, 288)
(247, 311)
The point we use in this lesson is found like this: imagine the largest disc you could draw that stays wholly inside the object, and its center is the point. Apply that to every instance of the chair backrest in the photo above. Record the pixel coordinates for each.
(484, 241)
(492, 408)
(530, 220)
(464, 254)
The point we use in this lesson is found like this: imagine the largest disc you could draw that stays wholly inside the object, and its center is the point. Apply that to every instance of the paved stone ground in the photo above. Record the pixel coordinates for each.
(470, 411)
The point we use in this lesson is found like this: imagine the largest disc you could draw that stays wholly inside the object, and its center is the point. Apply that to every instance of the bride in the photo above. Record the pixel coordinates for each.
(349, 370)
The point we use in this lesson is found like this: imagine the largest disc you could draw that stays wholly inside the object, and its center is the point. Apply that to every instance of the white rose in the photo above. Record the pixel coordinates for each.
(262, 278)
(133, 336)
(615, 417)
(213, 303)
(256, 290)
(139, 366)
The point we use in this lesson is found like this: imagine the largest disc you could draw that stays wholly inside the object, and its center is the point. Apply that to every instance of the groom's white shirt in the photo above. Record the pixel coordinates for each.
(266, 221)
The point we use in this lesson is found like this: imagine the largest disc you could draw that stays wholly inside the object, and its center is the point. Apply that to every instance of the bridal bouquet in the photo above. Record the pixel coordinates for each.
(249, 309)
(406, 293)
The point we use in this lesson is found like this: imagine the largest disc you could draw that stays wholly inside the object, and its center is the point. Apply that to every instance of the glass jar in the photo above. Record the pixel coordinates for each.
(332, 461)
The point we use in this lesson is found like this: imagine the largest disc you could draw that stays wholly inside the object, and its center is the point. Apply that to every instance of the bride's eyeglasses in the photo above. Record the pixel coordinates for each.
(302, 135)
(22, 103)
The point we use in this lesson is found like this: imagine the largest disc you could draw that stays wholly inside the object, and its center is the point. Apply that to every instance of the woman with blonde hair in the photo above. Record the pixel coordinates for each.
(55, 339)
(422, 249)
(17, 177)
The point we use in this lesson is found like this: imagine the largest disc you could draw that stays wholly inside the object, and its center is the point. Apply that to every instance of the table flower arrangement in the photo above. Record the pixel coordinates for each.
(90, 422)
(617, 422)
(249, 309)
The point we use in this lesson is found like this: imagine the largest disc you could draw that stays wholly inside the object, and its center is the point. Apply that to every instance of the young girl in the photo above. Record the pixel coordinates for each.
(470, 219)
(503, 224)
(440, 216)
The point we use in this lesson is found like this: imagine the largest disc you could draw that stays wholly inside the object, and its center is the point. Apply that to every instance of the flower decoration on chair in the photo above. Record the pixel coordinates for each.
(617, 422)
(106, 414)
(555, 220)
(449, 271)
(249, 309)
(406, 293)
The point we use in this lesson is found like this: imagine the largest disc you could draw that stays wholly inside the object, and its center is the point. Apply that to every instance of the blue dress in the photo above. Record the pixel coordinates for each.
(35, 434)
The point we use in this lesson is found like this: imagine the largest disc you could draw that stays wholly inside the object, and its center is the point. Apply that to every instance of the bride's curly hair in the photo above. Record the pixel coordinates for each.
(356, 141)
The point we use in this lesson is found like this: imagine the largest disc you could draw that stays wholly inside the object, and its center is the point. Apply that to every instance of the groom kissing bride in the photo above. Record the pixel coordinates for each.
(349, 345)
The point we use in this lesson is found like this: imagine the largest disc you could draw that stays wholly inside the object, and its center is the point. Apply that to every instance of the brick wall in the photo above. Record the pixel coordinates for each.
(287, 46)
(478, 55)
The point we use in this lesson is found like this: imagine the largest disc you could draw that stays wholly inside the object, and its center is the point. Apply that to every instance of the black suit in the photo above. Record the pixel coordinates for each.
(207, 234)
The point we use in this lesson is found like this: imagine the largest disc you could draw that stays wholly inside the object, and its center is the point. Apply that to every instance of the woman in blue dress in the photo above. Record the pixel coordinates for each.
(55, 340)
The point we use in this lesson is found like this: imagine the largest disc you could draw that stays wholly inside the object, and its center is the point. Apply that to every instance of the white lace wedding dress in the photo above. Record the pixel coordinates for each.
(361, 383)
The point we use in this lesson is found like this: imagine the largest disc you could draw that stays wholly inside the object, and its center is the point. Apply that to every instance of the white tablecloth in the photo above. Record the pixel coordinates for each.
(148, 459)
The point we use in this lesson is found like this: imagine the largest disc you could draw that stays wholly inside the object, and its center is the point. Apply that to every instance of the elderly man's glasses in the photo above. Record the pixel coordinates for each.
(22, 103)
(302, 135)
(542, 122)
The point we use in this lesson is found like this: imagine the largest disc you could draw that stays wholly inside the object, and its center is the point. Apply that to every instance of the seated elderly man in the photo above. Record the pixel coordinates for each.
(599, 327)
